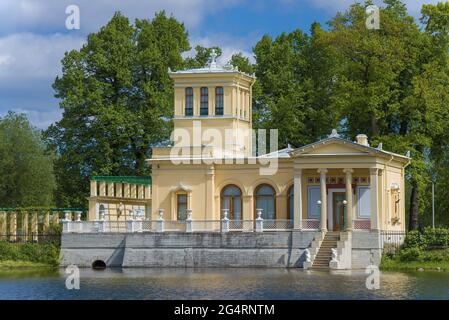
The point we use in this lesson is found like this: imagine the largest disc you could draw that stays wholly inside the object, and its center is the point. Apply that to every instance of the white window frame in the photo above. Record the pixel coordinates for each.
(361, 215)
(310, 214)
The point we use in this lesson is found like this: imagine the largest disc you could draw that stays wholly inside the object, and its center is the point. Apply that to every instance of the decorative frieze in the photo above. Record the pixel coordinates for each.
(339, 180)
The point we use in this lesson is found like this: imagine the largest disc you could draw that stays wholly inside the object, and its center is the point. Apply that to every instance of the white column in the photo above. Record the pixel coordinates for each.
(374, 199)
(93, 188)
(322, 173)
(349, 196)
(102, 188)
(297, 199)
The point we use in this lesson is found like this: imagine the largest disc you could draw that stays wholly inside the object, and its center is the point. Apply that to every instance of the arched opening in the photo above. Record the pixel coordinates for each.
(98, 265)
(290, 202)
(266, 200)
(231, 199)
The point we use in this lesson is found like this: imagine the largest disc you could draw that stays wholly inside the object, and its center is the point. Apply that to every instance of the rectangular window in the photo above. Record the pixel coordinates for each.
(219, 101)
(182, 206)
(204, 107)
(363, 202)
(189, 102)
(313, 195)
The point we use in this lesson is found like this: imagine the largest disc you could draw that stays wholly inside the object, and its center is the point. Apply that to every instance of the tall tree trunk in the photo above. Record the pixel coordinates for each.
(414, 208)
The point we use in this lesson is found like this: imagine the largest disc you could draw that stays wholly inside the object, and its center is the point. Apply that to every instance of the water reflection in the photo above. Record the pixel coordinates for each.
(230, 283)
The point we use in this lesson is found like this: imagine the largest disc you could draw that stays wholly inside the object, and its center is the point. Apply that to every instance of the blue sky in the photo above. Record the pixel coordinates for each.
(33, 37)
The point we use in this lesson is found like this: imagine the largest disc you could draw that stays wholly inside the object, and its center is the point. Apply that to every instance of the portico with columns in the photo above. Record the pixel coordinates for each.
(349, 184)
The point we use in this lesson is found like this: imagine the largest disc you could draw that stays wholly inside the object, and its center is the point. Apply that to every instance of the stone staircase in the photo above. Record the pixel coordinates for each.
(323, 254)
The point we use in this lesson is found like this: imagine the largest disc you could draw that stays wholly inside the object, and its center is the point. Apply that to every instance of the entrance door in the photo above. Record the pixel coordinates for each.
(338, 210)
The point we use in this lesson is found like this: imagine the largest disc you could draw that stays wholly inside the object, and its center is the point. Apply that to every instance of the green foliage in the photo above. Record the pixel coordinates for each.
(438, 237)
(117, 99)
(389, 83)
(202, 57)
(47, 253)
(415, 239)
(26, 170)
(411, 254)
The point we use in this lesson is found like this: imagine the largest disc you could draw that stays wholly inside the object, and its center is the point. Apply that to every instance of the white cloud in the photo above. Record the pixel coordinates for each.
(41, 119)
(29, 55)
(29, 64)
(413, 6)
(229, 44)
(32, 15)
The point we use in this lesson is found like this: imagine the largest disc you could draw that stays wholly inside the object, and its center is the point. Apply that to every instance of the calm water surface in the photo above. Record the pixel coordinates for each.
(222, 284)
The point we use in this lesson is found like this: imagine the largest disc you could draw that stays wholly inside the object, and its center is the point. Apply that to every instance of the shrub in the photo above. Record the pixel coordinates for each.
(411, 254)
(415, 239)
(436, 255)
(436, 237)
(47, 253)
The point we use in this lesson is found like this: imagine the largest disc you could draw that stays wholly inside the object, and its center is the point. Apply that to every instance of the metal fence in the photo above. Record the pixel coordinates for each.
(277, 224)
(391, 241)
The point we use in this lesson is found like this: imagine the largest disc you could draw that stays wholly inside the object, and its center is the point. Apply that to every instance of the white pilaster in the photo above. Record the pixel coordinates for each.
(297, 199)
(349, 198)
(374, 199)
(322, 173)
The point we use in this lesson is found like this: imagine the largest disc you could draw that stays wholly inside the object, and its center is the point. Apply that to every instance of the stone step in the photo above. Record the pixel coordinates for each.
(320, 268)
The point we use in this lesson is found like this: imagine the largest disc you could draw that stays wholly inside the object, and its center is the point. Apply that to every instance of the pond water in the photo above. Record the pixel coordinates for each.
(244, 284)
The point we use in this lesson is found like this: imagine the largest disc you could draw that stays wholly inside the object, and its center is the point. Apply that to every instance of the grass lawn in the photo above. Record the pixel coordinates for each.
(12, 264)
(389, 264)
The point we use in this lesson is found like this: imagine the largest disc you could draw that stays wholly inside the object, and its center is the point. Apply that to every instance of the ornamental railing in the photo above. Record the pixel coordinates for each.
(277, 224)
(310, 224)
(240, 225)
(361, 224)
(139, 224)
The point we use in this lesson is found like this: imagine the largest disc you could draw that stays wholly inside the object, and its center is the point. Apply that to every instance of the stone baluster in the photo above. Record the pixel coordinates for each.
(66, 222)
(160, 221)
(189, 222)
(225, 221)
(259, 221)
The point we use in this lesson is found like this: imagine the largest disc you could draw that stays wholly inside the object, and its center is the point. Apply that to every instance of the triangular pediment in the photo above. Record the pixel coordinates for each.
(333, 146)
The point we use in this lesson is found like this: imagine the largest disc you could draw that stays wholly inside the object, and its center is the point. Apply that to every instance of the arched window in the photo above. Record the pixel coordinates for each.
(189, 102)
(231, 199)
(219, 101)
(290, 202)
(266, 200)
(204, 106)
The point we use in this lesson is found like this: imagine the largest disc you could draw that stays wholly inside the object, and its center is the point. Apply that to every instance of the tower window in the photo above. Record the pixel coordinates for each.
(204, 108)
(189, 102)
(219, 101)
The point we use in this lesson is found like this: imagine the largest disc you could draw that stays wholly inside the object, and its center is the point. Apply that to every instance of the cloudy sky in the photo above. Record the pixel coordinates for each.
(33, 36)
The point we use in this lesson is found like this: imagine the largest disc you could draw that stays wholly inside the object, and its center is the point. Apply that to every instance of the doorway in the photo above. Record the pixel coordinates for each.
(338, 210)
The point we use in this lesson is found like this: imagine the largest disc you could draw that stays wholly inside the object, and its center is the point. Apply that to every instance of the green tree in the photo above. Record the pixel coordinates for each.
(26, 169)
(390, 83)
(294, 74)
(202, 57)
(116, 95)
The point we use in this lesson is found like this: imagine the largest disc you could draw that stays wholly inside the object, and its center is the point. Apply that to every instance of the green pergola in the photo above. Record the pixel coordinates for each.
(124, 179)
